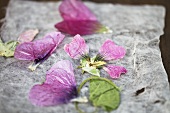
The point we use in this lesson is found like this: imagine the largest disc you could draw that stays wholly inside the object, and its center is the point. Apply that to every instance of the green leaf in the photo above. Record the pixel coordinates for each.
(104, 94)
(91, 70)
(7, 49)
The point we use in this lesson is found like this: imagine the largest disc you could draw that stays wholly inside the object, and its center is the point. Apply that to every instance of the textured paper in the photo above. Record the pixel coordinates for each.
(137, 28)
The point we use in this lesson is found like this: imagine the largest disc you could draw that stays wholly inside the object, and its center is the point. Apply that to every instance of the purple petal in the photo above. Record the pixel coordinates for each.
(75, 10)
(28, 36)
(77, 47)
(82, 27)
(115, 71)
(48, 95)
(40, 49)
(111, 51)
(59, 87)
(62, 69)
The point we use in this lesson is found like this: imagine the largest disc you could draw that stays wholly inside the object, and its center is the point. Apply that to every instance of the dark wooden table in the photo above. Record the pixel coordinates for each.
(165, 39)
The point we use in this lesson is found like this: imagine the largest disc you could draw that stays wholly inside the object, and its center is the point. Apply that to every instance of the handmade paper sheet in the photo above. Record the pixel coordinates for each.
(144, 88)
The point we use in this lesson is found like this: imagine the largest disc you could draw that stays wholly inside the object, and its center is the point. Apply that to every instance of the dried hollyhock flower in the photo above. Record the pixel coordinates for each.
(77, 47)
(28, 36)
(58, 88)
(78, 19)
(39, 50)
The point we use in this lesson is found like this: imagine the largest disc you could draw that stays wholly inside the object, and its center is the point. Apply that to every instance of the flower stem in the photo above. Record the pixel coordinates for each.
(96, 78)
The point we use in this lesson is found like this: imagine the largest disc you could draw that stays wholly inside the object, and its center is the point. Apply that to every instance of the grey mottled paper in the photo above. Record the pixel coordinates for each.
(137, 28)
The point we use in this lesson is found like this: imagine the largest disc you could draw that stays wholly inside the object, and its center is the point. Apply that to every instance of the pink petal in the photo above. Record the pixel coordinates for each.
(59, 87)
(75, 10)
(82, 27)
(40, 49)
(111, 51)
(28, 36)
(77, 47)
(115, 71)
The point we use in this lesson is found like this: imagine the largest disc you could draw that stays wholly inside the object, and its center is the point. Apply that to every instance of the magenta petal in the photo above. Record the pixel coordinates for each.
(111, 51)
(115, 71)
(75, 10)
(82, 27)
(59, 87)
(77, 47)
(40, 49)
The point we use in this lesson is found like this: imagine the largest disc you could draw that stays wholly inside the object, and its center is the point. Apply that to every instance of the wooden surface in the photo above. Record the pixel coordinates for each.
(165, 39)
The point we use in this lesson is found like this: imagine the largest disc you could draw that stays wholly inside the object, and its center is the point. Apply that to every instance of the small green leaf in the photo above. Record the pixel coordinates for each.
(104, 94)
(91, 70)
(7, 49)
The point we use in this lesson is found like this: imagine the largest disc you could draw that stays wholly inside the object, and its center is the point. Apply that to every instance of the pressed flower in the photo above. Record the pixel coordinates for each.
(28, 36)
(78, 19)
(115, 71)
(39, 50)
(58, 88)
(77, 47)
(110, 51)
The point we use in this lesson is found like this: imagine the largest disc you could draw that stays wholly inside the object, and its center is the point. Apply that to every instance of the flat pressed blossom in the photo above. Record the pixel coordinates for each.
(110, 51)
(78, 19)
(75, 10)
(28, 36)
(39, 50)
(59, 87)
(115, 71)
(77, 47)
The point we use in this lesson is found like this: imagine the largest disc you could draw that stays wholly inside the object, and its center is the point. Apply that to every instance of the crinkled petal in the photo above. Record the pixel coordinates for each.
(48, 95)
(82, 27)
(75, 10)
(77, 47)
(59, 87)
(40, 49)
(115, 71)
(62, 69)
(28, 36)
(110, 51)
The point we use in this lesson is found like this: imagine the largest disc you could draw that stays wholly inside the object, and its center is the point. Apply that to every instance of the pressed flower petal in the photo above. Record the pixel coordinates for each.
(82, 27)
(28, 36)
(111, 51)
(77, 47)
(114, 71)
(39, 50)
(75, 10)
(59, 87)
(64, 70)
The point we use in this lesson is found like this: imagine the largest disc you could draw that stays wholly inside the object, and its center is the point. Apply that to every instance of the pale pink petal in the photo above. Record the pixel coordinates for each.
(115, 71)
(28, 36)
(110, 51)
(59, 87)
(75, 10)
(77, 47)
